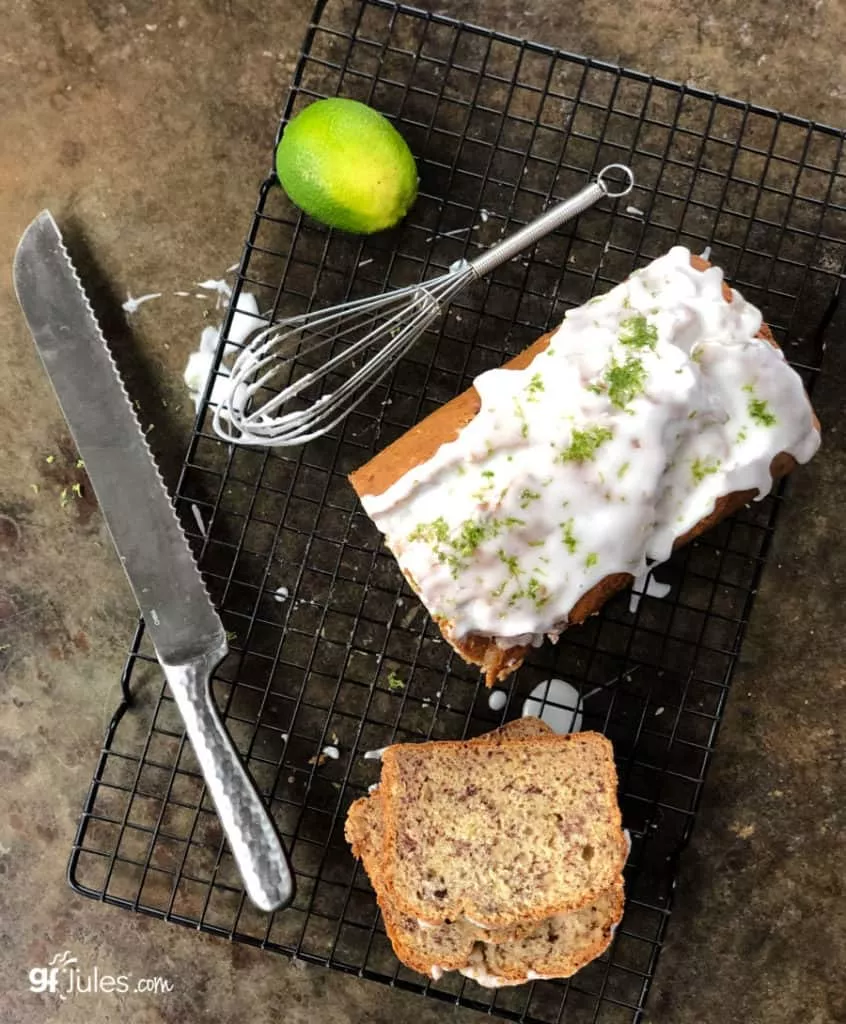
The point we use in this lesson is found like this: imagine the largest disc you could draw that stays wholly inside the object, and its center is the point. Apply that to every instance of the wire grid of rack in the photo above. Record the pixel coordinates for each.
(322, 623)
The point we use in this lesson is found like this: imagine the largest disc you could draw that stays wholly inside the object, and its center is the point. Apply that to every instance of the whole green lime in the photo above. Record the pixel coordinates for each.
(346, 165)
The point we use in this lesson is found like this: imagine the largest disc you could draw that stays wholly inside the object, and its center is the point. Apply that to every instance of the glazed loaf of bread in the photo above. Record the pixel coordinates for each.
(518, 508)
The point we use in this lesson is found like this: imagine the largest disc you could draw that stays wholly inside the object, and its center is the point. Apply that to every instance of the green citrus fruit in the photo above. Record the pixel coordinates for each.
(347, 166)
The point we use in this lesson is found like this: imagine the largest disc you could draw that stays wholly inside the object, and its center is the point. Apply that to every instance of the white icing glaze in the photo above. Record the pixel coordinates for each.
(437, 972)
(557, 703)
(331, 752)
(649, 403)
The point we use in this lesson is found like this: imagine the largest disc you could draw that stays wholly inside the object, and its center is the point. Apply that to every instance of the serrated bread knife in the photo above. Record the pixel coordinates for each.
(185, 629)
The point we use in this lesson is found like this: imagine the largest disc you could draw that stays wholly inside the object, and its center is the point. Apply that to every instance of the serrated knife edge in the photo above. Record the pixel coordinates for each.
(185, 628)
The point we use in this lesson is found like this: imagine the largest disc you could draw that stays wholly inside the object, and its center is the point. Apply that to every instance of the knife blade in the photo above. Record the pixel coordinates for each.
(186, 631)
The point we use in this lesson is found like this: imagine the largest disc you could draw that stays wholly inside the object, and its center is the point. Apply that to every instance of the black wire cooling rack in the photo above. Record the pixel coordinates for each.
(322, 623)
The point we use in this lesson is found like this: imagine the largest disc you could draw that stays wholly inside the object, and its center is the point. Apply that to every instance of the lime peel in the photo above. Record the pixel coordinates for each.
(345, 164)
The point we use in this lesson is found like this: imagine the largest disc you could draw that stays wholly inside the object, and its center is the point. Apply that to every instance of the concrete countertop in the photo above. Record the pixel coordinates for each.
(146, 128)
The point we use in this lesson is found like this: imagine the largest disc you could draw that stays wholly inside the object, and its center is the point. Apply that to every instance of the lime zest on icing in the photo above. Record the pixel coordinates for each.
(584, 444)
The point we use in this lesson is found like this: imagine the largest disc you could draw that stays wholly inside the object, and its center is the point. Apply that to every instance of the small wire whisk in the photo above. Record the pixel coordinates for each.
(266, 401)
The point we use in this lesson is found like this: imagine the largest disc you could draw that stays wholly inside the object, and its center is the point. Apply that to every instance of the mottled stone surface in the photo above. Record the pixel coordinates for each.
(146, 129)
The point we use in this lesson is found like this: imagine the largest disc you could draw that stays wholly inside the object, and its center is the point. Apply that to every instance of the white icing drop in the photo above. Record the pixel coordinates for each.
(635, 211)
(706, 253)
(331, 752)
(437, 972)
(649, 403)
(497, 699)
(648, 585)
(198, 519)
(280, 594)
(131, 305)
(374, 755)
(557, 703)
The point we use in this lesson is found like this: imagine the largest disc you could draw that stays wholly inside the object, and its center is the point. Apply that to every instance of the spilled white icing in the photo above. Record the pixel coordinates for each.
(198, 519)
(497, 699)
(197, 372)
(280, 594)
(222, 289)
(437, 972)
(245, 320)
(557, 703)
(649, 586)
(331, 752)
(374, 755)
(479, 973)
(132, 304)
(649, 403)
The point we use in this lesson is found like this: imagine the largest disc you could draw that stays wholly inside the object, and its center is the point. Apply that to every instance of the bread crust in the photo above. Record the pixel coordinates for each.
(420, 443)
(511, 964)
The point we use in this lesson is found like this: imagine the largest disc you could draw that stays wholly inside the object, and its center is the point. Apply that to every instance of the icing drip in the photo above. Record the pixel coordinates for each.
(649, 403)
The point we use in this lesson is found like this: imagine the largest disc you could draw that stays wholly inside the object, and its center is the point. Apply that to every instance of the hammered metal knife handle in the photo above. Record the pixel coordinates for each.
(252, 836)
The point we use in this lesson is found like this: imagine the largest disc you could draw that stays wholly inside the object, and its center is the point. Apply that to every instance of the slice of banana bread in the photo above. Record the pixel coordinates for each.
(500, 834)
(446, 946)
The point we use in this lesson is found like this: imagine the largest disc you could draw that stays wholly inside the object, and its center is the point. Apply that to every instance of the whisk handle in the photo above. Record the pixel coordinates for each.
(553, 218)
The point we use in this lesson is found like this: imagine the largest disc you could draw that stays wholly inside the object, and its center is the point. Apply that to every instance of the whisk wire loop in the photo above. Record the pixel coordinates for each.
(389, 323)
